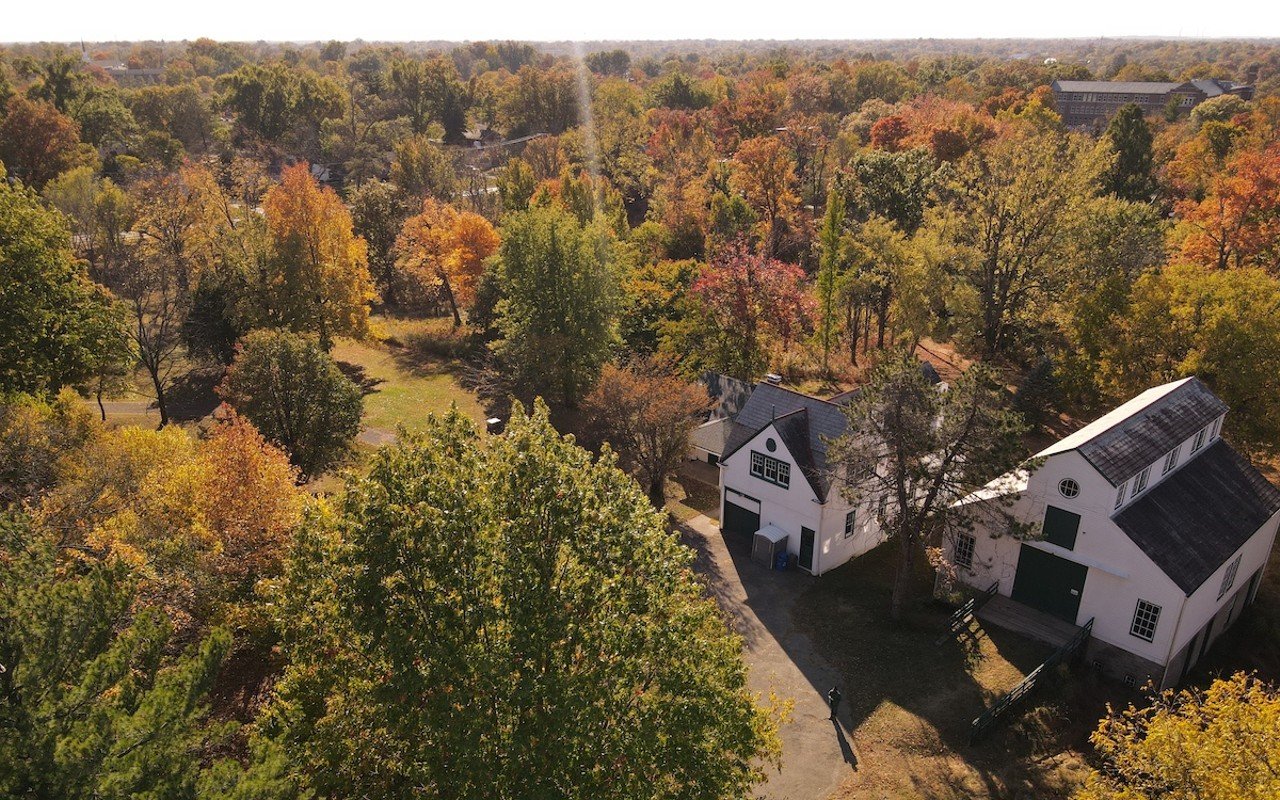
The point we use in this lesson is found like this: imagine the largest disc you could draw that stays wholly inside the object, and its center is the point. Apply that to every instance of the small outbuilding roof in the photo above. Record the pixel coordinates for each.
(712, 436)
(1192, 522)
(772, 532)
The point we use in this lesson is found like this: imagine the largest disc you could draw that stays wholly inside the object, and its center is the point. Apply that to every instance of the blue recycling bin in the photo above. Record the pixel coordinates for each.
(781, 561)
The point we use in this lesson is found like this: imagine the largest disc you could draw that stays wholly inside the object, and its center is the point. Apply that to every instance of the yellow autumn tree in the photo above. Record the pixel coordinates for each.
(1222, 743)
(319, 279)
(201, 521)
(444, 248)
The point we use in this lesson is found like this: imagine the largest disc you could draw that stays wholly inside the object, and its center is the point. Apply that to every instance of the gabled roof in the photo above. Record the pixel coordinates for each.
(805, 434)
(1142, 430)
(1192, 522)
(1110, 87)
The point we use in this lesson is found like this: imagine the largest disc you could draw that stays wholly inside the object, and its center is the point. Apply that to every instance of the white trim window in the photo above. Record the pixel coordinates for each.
(1217, 424)
(1229, 577)
(1171, 460)
(1140, 482)
(1146, 617)
(1120, 494)
(965, 544)
(1068, 488)
(768, 468)
(850, 519)
(1198, 442)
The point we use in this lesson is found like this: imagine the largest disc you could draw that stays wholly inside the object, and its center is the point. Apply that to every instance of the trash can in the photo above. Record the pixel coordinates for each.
(781, 562)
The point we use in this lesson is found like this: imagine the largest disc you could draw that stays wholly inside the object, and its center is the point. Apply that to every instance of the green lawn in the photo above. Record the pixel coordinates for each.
(407, 376)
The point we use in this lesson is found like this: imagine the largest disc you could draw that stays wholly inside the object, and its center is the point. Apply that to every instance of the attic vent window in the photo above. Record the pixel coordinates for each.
(770, 445)
(1068, 488)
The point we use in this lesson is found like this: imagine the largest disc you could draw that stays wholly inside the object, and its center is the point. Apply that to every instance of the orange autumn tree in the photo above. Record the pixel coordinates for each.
(446, 248)
(1237, 224)
(202, 521)
(764, 171)
(318, 280)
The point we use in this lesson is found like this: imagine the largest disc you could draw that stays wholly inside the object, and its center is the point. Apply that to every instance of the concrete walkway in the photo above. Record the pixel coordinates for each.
(817, 754)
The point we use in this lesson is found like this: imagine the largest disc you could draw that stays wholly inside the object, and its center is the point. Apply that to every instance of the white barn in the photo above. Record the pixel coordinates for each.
(1153, 527)
(774, 472)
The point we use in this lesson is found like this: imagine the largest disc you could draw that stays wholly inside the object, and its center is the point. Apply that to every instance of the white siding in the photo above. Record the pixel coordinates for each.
(1119, 572)
(791, 508)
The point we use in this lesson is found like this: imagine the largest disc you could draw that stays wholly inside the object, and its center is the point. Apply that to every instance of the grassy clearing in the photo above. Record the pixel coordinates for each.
(911, 701)
(407, 376)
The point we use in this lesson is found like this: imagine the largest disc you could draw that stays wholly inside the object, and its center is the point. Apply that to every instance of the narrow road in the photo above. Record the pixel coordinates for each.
(817, 754)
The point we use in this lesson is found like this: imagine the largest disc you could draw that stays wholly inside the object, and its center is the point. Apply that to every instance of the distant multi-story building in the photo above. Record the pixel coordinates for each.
(1088, 103)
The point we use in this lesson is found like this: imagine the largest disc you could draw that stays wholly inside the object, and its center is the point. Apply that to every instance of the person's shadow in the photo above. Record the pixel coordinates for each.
(845, 748)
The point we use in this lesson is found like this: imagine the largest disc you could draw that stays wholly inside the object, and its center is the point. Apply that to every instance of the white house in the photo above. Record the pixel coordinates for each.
(1153, 527)
(774, 472)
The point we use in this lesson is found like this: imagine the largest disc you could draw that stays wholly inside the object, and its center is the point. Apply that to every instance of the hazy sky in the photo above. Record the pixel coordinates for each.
(544, 20)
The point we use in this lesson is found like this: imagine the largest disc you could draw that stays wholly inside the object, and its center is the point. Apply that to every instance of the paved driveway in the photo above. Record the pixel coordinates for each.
(817, 754)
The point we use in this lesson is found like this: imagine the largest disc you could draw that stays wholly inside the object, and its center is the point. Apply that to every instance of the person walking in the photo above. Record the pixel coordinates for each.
(833, 698)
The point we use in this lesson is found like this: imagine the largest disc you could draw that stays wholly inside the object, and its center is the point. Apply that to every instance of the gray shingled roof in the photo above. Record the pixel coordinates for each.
(1138, 433)
(1123, 450)
(712, 436)
(1109, 87)
(729, 393)
(821, 421)
(1198, 517)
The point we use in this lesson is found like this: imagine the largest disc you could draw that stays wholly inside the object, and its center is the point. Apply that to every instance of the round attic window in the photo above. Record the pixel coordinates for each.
(770, 445)
(1068, 488)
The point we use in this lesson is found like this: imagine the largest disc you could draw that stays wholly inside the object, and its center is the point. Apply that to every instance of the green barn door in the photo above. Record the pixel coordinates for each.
(806, 548)
(1051, 584)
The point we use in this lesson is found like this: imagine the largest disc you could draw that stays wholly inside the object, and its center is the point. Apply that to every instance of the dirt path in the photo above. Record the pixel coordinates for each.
(817, 754)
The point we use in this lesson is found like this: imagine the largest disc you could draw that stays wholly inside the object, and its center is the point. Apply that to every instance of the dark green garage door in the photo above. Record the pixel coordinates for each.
(737, 517)
(1052, 584)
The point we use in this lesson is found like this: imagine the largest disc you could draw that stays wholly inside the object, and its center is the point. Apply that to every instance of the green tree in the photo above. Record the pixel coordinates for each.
(916, 448)
(1192, 320)
(54, 321)
(296, 395)
(831, 264)
(1011, 210)
(1222, 743)
(1130, 176)
(560, 301)
(378, 210)
(507, 618)
(90, 704)
(421, 169)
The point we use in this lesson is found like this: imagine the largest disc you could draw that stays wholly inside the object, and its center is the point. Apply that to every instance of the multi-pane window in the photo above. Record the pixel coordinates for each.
(1145, 618)
(964, 550)
(1229, 578)
(884, 506)
(1213, 434)
(849, 520)
(1140, 482)
(1198, 442)
(1068, 488)
(770, 469)
(1171, 460)
(1120, 494)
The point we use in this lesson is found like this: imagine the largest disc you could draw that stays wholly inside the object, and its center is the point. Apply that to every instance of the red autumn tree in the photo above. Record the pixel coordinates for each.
(746, 298)
(889, 133)
(37, 141)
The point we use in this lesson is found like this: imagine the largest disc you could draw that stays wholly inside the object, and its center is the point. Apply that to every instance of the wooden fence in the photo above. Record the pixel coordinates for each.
(983, 723)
